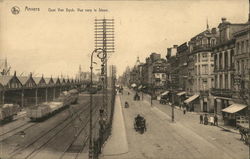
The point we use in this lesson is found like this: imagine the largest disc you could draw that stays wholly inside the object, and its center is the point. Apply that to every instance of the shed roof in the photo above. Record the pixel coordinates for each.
(4, 80)
(23, 79)
(37, 79)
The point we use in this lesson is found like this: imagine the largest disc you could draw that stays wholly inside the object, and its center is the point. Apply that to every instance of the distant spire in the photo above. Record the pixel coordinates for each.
(137, 61)
(5, 63)
(207, 24)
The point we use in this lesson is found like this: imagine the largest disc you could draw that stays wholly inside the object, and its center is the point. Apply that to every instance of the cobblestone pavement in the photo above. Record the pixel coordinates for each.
(183, 139)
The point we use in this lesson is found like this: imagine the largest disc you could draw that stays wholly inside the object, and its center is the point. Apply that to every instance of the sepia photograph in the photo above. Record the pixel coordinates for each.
(124, 79)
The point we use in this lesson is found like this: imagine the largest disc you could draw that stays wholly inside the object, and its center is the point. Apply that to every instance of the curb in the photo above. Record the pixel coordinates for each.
(229, 130)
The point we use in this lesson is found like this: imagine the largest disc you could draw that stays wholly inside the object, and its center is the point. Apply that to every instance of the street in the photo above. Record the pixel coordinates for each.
(185, 138)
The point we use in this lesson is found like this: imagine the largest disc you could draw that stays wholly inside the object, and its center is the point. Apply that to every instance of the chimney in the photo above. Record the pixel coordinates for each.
(213, 30)
(223, 19)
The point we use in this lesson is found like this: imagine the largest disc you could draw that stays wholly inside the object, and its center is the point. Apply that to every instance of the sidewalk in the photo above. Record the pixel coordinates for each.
(117, 143)
(220, 122)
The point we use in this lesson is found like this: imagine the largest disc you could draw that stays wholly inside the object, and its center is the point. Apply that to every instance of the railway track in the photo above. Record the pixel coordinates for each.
(84, 141)
(16, 130)
(23, 127)
(49, 134)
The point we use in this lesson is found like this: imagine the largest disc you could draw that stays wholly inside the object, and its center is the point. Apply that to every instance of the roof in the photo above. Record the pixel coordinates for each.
(181, 93)
(47, 80)
(234, 108)
(165, 93)
(4, 80)
(192, 98)
(23, 79)
(37, 79)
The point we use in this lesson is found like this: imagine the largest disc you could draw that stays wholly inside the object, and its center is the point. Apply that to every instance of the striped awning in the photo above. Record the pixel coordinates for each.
(165, 93)
(190, 99)
(181, 93)
(234, 108)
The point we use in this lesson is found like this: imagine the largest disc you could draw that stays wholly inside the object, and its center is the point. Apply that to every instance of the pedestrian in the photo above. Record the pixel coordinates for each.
(205, 120)
(215, 120)
(184, 110)
(211, 120)
(201, 119)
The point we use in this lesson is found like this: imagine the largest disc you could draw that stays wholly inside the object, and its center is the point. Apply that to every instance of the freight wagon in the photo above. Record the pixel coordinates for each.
(48, 109)
(8, 111)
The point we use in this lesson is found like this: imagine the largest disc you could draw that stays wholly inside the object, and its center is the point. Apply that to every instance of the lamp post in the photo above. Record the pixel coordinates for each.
(98, 51)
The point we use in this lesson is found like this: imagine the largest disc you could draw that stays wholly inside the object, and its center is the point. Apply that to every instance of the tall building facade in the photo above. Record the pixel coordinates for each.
(226, 64)
(201, 68)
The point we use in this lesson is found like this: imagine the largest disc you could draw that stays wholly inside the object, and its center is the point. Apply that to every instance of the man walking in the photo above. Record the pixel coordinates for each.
(201, 119)
(184, 110)
(215, 120)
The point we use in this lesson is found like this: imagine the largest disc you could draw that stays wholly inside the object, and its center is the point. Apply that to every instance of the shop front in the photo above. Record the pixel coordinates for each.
(192, 103)
(181, 98)
(233, 113)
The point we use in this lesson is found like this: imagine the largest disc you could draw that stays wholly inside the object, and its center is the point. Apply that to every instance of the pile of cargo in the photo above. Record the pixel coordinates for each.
(47, 109)
(8, 111)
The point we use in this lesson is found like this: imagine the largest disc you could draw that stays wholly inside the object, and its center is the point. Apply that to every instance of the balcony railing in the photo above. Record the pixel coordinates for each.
(222, 92)
(204, 92)
(202, 47)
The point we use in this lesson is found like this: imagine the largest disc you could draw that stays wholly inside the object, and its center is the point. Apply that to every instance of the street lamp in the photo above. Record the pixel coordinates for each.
(98, 51)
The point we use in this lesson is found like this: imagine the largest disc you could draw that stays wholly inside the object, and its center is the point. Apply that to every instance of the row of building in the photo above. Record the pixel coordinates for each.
(209, 73)
(28, 90)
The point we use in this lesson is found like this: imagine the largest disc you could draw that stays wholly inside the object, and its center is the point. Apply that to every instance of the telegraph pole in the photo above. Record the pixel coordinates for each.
(104, 38)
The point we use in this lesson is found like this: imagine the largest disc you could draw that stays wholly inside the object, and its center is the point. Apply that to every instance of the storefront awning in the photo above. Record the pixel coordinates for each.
(165, 93)
(234, 108)
(133, 85)
(190, 99)
(181, 93)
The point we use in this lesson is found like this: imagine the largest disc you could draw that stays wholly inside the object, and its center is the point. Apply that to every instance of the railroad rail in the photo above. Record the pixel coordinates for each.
(20, 149)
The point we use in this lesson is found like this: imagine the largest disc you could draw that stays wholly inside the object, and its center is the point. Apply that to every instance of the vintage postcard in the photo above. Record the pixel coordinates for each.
(116, 79)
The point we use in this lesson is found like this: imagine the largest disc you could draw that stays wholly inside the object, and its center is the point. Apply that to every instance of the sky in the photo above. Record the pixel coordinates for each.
(55, 43)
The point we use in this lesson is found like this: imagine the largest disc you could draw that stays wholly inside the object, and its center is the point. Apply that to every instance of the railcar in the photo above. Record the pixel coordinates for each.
(8, 111)
(47, 109)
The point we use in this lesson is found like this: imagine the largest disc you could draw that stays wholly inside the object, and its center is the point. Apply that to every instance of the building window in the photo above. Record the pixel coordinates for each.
(199, 70)
(220, 61)
(237, 47)
(198, 57)
(215, 60)
(226, 81)
(238, 67)
(231, 58)
(247, 45)
(242, 47)
(221, 82)
(232, 80)
(225, 60)
(205, 69)
(212, 42)
(204, 41)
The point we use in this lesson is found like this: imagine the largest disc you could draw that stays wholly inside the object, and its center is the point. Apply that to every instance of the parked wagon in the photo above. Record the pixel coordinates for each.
(47, 109)
(8, 111)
